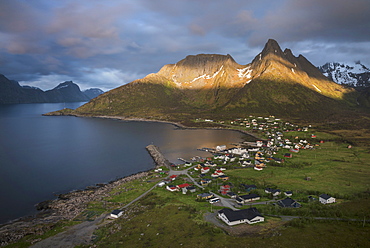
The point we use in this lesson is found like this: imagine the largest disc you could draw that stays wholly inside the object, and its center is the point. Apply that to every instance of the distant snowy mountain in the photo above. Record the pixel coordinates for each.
(93, 92)
(352, 74)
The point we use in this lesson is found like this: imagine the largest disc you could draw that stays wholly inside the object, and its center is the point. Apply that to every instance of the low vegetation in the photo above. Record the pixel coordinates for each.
(162, 219)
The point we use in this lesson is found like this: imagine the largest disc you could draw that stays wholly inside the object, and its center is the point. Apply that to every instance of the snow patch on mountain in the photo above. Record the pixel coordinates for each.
(245, 72)
(316, 88)
(352, 74)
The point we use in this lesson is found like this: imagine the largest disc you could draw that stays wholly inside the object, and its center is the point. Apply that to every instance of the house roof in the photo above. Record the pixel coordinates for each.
(325, 196)
(232, 215)
(249, 186)
(184, 185)
(230, 193)
(288, 203)
(249, 196)
(204, 194)
(116, 211)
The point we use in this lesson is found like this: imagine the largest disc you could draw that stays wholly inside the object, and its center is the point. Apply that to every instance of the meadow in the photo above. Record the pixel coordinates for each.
(173, 219)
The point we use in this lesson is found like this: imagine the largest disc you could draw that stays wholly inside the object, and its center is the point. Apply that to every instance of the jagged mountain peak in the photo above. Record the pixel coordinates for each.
(65, 85)
(272, 46)
(353, 74)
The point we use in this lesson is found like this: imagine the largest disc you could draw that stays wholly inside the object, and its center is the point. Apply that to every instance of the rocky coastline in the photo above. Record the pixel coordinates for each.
(66, 207)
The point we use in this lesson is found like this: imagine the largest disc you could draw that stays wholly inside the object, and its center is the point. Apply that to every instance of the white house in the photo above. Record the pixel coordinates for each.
(116, 213)
(231, 217)
(326, 199)
(221, 148)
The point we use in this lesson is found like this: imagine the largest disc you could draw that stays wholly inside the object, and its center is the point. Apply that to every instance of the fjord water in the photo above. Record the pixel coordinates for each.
(42, 156)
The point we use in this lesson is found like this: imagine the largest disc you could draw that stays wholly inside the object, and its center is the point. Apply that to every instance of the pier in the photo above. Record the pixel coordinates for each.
(157, 156)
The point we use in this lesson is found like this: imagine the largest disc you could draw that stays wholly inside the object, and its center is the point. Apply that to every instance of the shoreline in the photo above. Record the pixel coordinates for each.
(176, 124)
(65, 207)
(68, 206)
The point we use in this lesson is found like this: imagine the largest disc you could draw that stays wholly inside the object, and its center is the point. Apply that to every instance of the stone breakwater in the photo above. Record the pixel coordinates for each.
(157, 156)
(65, 207)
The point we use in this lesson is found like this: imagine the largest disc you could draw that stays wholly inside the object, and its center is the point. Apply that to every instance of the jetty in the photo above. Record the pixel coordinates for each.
(157, 156)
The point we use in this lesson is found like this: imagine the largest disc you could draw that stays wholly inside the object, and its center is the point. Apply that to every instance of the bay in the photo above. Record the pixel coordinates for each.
(42, 156)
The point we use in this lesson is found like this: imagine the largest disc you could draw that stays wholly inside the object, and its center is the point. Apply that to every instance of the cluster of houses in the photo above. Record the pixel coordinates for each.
(257, 156)
(265, 123)
(273, 128)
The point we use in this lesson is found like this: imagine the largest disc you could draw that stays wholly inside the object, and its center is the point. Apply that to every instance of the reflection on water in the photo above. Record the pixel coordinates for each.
(41, 156)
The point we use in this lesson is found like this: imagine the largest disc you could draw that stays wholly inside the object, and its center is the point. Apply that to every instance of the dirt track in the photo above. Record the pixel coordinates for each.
(80, 234)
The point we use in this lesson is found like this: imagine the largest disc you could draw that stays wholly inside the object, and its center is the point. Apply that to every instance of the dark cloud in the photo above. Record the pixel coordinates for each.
(324, 20)
(109, 43)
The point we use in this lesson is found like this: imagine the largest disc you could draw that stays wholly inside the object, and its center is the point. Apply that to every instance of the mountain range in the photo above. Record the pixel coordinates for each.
(12, 92)
(215, 86)
(355, 75)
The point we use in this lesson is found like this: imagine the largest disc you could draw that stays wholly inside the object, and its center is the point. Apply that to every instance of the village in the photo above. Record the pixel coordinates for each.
(207, 178)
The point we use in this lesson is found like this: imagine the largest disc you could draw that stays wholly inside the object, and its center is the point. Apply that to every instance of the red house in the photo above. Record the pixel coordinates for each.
(184, 185)
(224, 189)
(173, 177)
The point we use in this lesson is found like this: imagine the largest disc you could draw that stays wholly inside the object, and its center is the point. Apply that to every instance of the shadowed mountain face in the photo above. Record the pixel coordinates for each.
(11, 92)
(275, 83)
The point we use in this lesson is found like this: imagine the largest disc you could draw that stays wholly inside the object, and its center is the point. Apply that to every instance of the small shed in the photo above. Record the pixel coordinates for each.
(116, 213)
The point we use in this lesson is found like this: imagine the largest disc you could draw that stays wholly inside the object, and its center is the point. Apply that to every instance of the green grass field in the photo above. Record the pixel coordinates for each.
(333, 169)
(172, 219)
(171, 223)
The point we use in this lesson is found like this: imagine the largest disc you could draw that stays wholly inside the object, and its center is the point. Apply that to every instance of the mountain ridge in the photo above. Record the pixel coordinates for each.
(12, 92)
(275, 83)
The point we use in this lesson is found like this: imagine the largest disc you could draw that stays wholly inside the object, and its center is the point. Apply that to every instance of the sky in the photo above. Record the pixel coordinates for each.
(105, 44)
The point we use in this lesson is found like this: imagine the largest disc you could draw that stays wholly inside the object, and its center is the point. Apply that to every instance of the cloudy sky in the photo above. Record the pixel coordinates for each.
(106, 44)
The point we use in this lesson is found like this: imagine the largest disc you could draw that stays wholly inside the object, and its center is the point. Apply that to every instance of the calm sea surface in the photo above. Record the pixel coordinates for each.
(41, 156)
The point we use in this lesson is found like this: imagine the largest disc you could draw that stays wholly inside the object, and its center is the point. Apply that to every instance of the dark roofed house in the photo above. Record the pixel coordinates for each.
(231, 194)
(116, 213)
(247, 198)
(192, 189)
(231, 217)
(288, 193)
(249, 187)
(325, 199)
(274, 192)
(288, 203)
